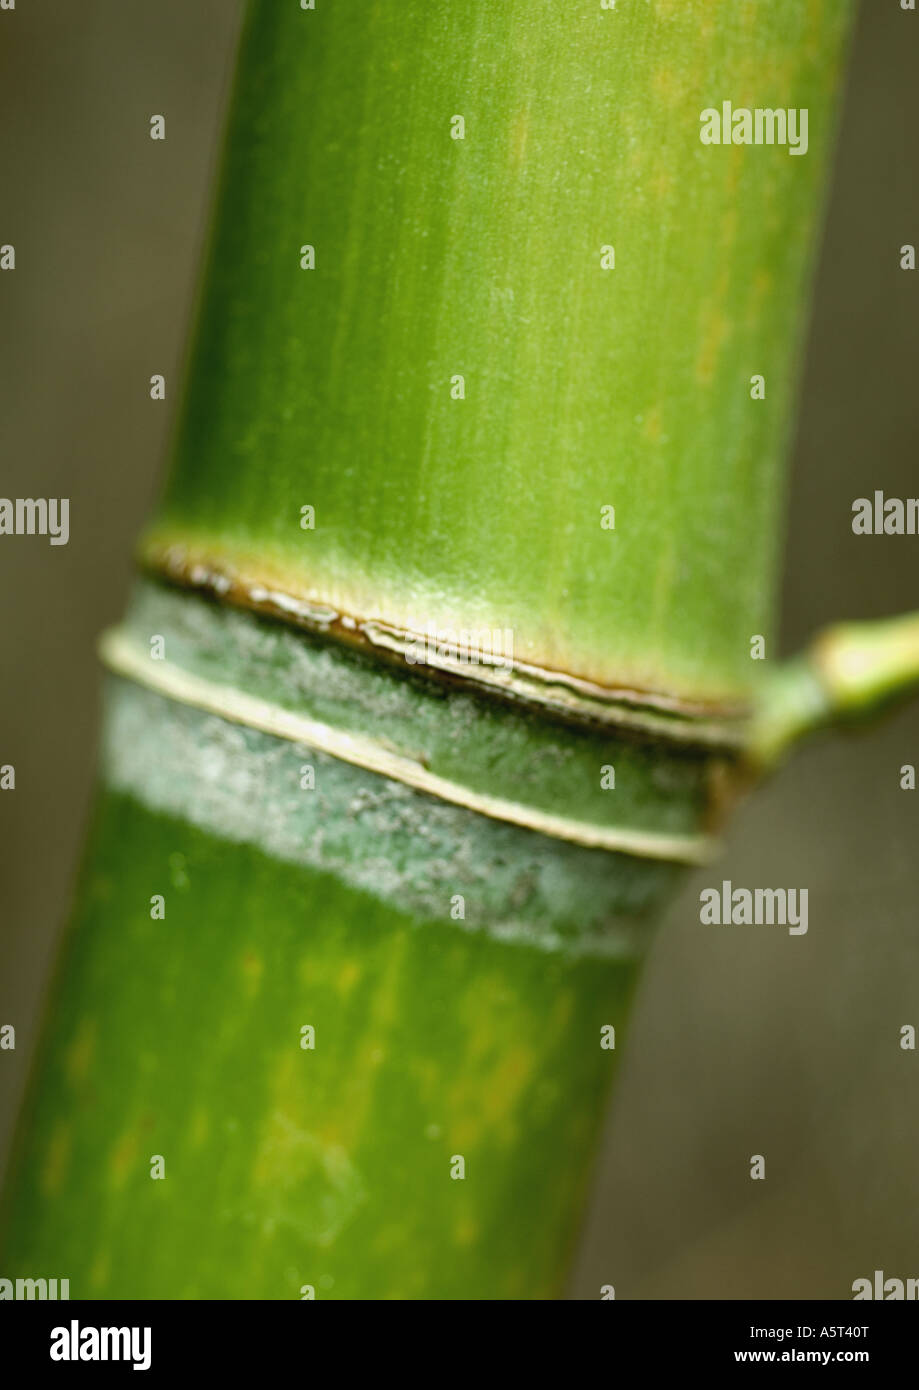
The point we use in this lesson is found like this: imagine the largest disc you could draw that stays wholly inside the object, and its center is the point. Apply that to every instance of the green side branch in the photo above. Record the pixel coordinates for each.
(851, 673)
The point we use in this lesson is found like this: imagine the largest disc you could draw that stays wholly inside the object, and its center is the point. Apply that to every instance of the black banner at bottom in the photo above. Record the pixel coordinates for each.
(68, 1338)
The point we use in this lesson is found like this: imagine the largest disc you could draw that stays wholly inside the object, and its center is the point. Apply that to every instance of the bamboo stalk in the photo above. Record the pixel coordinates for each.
(366, 895)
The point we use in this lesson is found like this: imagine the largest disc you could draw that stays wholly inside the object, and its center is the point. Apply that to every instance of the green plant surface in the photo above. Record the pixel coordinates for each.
(481, 257)
(284, 1166)
(642, 794)
(440, 1033)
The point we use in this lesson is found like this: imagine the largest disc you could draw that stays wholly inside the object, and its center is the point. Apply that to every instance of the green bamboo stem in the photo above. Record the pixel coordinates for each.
(287, 1168)
(483, 258)
(457, 897)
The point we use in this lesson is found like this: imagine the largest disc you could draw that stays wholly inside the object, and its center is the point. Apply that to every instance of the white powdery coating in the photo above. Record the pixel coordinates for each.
(401, 846)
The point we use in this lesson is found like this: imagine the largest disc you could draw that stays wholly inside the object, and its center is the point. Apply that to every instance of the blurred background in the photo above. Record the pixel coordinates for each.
(741, 1042)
